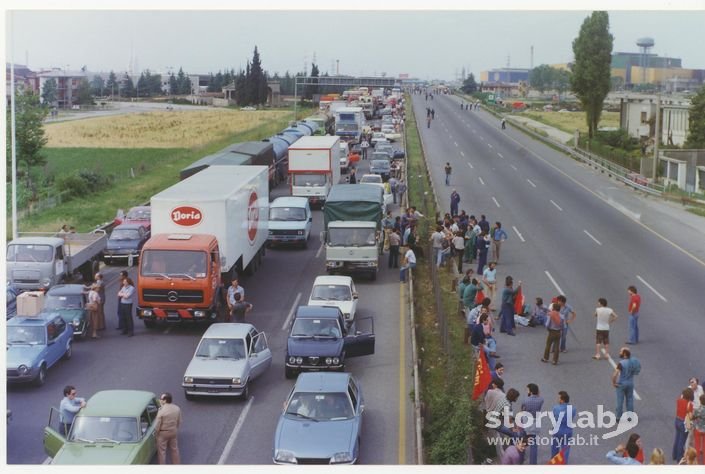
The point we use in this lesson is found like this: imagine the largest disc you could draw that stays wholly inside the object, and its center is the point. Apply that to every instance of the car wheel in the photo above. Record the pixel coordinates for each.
(69, 351)
(41, 376)
(289, 373)
(150, 324)
(246, 392)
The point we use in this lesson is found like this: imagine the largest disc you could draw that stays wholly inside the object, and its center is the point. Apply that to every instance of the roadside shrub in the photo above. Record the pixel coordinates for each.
(618, 139)
(82, 183)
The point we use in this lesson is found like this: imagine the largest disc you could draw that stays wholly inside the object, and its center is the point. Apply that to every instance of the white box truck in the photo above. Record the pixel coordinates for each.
(205, 230)
(314, 166)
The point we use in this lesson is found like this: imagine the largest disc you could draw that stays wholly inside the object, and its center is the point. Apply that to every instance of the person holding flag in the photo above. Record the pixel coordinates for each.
(562, 439)
(506, 314)
(482, 375)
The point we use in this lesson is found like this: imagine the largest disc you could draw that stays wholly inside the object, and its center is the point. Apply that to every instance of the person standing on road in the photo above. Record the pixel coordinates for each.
(458, 249)
(123, 275)
(428, 122)
(454, 201)
(364, 146)
(232, 290)
(433, 112)
(401, 189)
(567, 316)
(699, 429)
(684, 409)
(605, 316)
(448, 169)
(69, 406)
(167, 426)
(623, 380)
(507, 312)
(489, 281)
(482, 242)
(100, 283)
(93, 307)
(437, 244)
(387, 226)
(394, 242)
(240, 308)
(504, 123)
(634, 306)
(126, 295)
(553, 338)
(352, 179)
(393, 182)
(533, 403)
(498, 236)
(484, 225)
(563, 437)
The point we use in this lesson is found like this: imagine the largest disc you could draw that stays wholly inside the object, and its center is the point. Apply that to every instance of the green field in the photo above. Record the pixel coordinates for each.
(115, 161)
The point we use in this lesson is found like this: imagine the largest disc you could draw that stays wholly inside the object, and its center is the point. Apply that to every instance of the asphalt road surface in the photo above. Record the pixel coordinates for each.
(574, 231)
(229, 431)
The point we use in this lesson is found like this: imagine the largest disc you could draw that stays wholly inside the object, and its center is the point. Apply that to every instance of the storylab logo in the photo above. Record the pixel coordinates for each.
(601, 419)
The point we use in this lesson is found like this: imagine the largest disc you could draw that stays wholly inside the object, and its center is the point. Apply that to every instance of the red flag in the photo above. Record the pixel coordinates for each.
(479, 296)
(558, 458)
(482, 376)
(519, 302)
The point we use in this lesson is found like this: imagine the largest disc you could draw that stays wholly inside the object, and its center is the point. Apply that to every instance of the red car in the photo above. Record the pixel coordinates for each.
(141, 215)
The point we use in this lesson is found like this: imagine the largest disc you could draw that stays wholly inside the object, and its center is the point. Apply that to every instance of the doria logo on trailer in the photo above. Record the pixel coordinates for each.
(252, 217)
(186, 216)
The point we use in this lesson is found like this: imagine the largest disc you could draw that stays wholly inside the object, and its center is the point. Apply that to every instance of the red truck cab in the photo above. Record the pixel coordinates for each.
(179, 279)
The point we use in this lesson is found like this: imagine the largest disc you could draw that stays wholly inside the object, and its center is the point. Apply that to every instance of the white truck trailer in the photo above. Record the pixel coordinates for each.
(314, 166)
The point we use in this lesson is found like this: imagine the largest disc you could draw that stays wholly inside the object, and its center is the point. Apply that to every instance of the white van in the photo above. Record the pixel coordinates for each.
(290, 221)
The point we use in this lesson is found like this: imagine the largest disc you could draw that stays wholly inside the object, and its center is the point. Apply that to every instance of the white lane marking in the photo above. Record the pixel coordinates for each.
(318, 253)
(495, 201)
(514, 167)
(530, 182)
(500, 155)
(520, 236)
(236, 430)
(47, 461)
(652, 289)
(592, 237)
(456, 143)
(470, 165)
(482, 182)
(462, 153)
(489, 145)
(614, 366)
(481, 138)
(557, 206)
(291, 312)
(554, 283)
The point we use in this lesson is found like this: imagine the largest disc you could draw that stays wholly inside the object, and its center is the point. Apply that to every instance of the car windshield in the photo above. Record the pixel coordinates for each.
(309, 180)
(325, 406)
(52, 302)
(350, 237)
(316, 327)
(26, 335)
(125, 234)
(379, 164)
(29, 253)
(373, 178)
(174, 263)
(220, 348)
(287, 214)
(107, 429)
(331, 292)
(139, 214)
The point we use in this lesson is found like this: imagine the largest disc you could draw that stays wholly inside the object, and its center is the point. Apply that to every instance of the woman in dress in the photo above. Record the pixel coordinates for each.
(509, 293)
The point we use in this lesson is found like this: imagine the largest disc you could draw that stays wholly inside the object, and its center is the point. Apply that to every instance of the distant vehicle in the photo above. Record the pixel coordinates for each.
(320, 340)
(382, 168)
(228, 358)
(321, 422)
(338, 291)
(125, 243)
(371, 179)
(10, 301)
(392, 150)
(69, 301)
(115, 427)
(140, 215)
(34, 344)
(378, 137)
(290, 221)
(249, 108)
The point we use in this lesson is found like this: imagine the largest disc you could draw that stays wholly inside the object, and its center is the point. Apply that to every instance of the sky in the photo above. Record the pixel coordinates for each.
(427, 44)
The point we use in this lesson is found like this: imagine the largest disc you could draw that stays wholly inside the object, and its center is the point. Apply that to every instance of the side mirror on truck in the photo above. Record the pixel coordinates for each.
(322, 236)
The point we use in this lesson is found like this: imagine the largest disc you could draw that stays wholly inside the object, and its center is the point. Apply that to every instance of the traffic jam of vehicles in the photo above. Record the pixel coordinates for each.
(188, 245)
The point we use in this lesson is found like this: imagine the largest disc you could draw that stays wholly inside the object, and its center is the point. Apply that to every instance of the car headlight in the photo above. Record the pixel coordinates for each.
(199, 314)
(329, 360)
(146, 312)
(46, 282)
(336, 361)
(237, 381)
(299, 360)
(281, 455)
(292, 360)
(271, 232)
(339, 458)
(22, 369)
(301, 232)
(188, 379)
(346, 315)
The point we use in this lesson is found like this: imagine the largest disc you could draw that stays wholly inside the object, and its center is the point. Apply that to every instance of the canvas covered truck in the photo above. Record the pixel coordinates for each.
(314, 167)
(205, 230)
(353, 239)
(38, 261)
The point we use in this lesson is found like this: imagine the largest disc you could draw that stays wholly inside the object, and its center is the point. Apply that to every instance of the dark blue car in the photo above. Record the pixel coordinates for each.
(319, 340)
(125, 243)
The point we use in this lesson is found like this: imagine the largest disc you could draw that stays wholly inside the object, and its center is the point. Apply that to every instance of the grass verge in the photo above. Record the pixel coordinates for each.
(452, 421)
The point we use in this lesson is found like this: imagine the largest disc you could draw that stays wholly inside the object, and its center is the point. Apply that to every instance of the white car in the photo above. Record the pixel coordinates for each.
(249, 108)
(338, 291)
(378, 137)
(376, 180)
(228, 358)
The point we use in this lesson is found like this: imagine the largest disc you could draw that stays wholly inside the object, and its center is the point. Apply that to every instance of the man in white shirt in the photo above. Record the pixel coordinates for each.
(489, 281)
(364, 146)
(605, 316)
(409, 262)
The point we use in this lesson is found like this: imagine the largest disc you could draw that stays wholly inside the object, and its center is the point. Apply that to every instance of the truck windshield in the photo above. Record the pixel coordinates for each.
(174, 263)
(29, 253)
(347, 127)
(348, 237)
(309, 180)
(287, 214)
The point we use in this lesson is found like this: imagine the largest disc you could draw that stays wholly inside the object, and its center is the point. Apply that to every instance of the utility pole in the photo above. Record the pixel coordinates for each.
(657, 136)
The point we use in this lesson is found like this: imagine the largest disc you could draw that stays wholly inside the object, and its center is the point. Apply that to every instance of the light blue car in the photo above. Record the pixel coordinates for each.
(34, 344)
(321, 422)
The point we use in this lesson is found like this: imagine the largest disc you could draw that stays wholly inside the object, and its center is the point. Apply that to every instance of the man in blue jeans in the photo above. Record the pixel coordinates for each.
(623, 380)
(533, 403)
(562, 437)
(634, 305)
(567, 317)
(408, 262)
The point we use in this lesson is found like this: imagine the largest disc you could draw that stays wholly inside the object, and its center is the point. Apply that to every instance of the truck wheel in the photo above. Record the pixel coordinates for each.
(289, 373)
(150, 324)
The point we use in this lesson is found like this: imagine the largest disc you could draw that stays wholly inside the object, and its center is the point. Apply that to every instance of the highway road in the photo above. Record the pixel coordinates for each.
(232, 431)
(574, 231)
